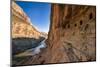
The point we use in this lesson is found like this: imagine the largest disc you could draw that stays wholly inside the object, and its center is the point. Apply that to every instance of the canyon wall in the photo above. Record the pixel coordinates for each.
(21, 24)
(72, 35)
(24, 34)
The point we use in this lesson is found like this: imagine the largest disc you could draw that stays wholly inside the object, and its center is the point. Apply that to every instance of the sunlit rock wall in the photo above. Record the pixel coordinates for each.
(24, 34)
(21, 24)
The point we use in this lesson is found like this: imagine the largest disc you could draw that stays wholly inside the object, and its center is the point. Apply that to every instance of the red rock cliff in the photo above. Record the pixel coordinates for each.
(72, 33)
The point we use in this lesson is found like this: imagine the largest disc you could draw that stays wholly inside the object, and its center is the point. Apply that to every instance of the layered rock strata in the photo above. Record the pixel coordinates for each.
(24, 34)
(21, 24)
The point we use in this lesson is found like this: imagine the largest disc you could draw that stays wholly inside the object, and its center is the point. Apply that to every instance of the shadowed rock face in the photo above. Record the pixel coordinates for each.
(72, 35)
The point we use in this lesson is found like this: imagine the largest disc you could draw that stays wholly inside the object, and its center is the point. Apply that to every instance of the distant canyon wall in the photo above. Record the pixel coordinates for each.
(24, 34)
(21, 24)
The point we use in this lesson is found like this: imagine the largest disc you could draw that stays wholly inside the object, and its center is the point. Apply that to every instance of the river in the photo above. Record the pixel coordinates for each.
(33, 51)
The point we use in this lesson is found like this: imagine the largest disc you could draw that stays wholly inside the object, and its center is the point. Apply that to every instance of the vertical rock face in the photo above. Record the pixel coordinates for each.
(21, 24)
(72, 35)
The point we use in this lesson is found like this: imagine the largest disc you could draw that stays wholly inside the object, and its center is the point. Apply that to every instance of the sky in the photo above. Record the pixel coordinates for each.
(39, 14)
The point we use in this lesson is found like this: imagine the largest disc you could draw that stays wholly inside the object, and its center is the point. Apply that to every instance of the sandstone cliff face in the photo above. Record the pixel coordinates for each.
(72, 35)
(21, 24)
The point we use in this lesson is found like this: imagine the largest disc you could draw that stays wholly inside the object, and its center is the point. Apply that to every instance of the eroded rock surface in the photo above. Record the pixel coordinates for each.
(72, 35)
